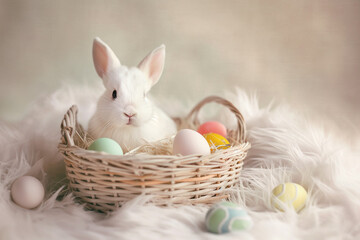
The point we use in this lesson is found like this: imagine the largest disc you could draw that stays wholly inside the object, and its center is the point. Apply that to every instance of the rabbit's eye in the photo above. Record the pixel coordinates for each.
(114, 94)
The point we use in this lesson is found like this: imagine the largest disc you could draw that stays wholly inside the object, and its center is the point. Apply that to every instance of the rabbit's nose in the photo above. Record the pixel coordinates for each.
(129, 115)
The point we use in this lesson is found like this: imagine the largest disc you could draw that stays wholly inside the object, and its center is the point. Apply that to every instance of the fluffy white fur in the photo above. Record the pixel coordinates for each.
(285, 147)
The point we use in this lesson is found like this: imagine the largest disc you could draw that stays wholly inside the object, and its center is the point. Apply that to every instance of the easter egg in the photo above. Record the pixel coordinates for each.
(106, 145)
(189, 142)
(289, 194)
(212, 127)
(227, 217)
(27, 192)
(216, 141)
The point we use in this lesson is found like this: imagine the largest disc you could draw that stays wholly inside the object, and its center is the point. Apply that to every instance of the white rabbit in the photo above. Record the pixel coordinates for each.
(124, 112)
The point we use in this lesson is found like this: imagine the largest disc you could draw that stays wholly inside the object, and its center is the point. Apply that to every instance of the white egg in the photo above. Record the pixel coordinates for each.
(188, 142)
(27, 192)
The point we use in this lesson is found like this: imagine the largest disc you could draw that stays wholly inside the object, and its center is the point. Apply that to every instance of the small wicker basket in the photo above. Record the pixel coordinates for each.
(104, 182)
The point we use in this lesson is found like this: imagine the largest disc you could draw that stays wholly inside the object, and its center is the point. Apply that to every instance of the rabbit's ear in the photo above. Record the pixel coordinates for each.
(153, 64)
(104, 58)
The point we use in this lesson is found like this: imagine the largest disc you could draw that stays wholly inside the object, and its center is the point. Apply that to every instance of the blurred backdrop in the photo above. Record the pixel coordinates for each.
(304, 53)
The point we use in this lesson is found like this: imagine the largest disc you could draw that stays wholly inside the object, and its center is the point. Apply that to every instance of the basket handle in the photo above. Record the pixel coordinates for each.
(240, 133)
(68, 126)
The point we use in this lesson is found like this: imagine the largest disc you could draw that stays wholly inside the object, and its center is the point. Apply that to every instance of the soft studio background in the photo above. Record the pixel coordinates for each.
(306, 53)
(302, 53)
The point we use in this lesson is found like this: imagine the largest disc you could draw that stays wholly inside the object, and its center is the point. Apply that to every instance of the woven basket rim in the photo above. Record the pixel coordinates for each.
(139, 157)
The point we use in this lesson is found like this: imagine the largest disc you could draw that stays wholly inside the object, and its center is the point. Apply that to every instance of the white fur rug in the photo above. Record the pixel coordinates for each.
(285, 147)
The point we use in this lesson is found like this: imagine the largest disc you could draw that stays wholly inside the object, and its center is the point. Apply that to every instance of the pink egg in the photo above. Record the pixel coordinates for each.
(212, 127)
(189, 142)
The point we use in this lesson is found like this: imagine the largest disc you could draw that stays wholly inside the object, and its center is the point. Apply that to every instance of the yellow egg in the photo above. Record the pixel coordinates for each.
(290, 194)
(216, 141)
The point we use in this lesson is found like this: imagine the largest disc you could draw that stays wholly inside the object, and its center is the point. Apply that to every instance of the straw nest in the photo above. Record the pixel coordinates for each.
(104, 182)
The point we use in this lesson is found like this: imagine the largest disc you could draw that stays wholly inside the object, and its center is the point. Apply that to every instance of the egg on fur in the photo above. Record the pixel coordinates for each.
(290, 195)
(27, 192)
(189, 142)
(212, 127)
(106, 145)
(227, 217)
(216, 141)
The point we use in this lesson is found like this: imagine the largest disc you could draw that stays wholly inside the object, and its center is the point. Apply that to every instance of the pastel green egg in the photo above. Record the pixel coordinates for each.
(106, 145)
(227, 217)
(289, 195)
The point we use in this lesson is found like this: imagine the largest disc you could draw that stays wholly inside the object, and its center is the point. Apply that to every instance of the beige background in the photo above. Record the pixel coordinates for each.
(306, 53)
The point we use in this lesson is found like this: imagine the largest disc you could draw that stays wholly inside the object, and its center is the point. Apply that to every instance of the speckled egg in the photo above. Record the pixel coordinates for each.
(189, 142)
(106, 145)
(216, 141)
(289, 195)
(227, 217)
(27, 192)
(212, 127)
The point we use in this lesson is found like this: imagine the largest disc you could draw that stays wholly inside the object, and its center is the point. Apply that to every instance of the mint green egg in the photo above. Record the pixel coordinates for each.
(227, 217)
(214, 219)
(241, 223)
(106, 145)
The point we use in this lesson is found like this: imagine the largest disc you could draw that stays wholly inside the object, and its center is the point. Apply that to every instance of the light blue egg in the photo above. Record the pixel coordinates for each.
(227, 217)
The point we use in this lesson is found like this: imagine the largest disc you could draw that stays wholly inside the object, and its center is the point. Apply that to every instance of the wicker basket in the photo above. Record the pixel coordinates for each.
(104, 182)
